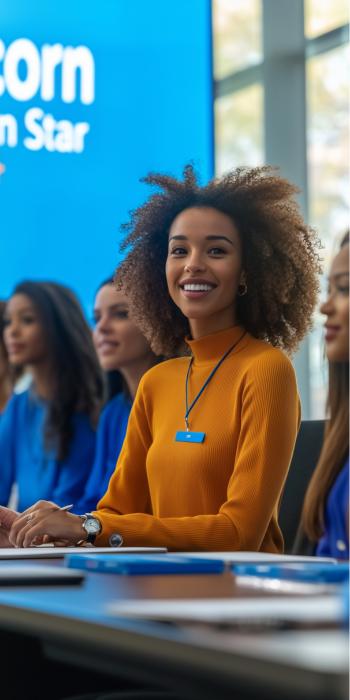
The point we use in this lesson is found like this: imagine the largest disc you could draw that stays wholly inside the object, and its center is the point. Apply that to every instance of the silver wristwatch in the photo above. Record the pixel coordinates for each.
(92, 527)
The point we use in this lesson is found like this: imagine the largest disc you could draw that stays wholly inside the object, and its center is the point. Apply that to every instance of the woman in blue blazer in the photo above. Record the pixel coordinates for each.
(124, 354)
(325, 518)
(47, 433)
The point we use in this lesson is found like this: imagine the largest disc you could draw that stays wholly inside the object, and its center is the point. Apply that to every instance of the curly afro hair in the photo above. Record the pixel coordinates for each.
(280, 256)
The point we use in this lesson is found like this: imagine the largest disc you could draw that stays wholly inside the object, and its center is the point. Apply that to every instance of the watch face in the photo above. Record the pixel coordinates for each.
(92, 526)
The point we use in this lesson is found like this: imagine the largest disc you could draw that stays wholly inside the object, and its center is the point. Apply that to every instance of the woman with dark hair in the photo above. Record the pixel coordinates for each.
(226, 273)
(325, 518)
(124, 355)
(5, 375)
(47, 433)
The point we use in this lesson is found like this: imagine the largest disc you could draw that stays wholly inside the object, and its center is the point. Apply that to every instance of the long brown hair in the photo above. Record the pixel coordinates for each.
(76, 373)
(280, 256)
(335, 446)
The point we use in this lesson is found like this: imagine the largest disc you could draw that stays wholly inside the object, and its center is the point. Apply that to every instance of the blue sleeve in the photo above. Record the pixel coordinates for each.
(323, 548)
(74, 471)
(7, 450)
(110, 437)
(94, 486)
(335, 539)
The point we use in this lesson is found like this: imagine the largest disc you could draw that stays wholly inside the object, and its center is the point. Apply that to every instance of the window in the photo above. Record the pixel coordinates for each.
(328, 178)
(325, 15)
(321, 52)
(239, 105)
(239, 129)
(237, 35)
(328, 142)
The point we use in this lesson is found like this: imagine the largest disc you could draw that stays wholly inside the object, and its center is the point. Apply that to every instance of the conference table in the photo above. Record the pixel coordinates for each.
(72, 627)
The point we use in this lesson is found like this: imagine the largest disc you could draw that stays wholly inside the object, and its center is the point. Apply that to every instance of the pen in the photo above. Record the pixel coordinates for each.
(69, 507)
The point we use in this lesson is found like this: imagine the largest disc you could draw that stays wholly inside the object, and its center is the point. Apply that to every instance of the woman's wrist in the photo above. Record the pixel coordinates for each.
(77, 532)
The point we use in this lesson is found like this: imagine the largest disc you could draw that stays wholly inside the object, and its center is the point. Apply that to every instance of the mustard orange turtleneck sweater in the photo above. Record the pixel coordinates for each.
(222, 494)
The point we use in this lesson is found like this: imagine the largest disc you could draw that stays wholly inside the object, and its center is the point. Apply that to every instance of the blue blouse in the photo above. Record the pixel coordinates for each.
(335, 541)
(110, 437)
(36, 470)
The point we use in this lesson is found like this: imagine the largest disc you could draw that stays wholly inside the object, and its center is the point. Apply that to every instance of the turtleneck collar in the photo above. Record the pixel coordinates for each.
(210, 348)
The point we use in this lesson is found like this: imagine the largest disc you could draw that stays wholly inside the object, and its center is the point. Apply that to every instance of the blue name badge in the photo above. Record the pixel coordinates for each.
(189, 436)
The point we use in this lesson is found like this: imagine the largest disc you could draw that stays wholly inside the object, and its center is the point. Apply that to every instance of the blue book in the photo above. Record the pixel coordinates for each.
(306, 573)
(138, 564)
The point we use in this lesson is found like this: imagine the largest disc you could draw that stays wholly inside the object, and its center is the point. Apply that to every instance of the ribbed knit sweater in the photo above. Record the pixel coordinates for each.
(222, 494)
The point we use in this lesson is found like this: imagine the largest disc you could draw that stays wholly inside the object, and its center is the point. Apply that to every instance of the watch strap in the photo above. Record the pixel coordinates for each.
(91, 536)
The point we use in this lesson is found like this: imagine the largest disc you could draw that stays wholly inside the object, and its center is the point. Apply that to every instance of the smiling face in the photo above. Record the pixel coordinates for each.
(336, 308)
(24, 335)
(204, 268)
(118, 341)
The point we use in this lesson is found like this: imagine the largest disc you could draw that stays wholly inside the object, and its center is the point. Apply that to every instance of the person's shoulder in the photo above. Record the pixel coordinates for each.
(22, 396)
(262, 356)
(17, 400)
(15, 412)
(120, 403)
(166, 368)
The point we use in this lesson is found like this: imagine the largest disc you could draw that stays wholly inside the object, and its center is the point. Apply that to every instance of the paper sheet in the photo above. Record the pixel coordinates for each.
(222, 611)
(60, 552)
(228, 557)
(258, 557)
(24, 574)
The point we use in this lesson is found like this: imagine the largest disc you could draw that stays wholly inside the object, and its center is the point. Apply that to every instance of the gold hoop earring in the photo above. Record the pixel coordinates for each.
(242, 289)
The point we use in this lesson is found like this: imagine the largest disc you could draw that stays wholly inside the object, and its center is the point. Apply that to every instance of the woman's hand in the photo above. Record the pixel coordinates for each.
(7, 518)
(45, 522)
(4, 538)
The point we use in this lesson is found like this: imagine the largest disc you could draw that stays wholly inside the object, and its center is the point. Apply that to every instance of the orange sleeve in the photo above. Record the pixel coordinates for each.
(269, 426)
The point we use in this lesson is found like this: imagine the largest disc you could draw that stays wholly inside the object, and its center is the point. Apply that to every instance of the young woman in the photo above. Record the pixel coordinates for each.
(47, 433)
(124, 354)
(325, 518)
(229, 272)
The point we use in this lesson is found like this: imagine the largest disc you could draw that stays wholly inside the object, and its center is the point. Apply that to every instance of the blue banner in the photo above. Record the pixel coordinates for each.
(93, 96)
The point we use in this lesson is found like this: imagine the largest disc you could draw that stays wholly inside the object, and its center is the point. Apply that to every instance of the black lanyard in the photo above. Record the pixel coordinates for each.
(189, 408)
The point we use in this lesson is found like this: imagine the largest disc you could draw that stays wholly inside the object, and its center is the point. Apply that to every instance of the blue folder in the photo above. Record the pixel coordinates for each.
(308, 572)
(144, 564)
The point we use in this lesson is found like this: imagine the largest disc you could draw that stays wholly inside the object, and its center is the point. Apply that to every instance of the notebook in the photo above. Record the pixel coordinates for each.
(137, 564)
(309, 572)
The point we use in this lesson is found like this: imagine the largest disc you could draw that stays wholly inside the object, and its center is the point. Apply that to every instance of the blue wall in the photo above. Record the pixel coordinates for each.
(143, 90)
